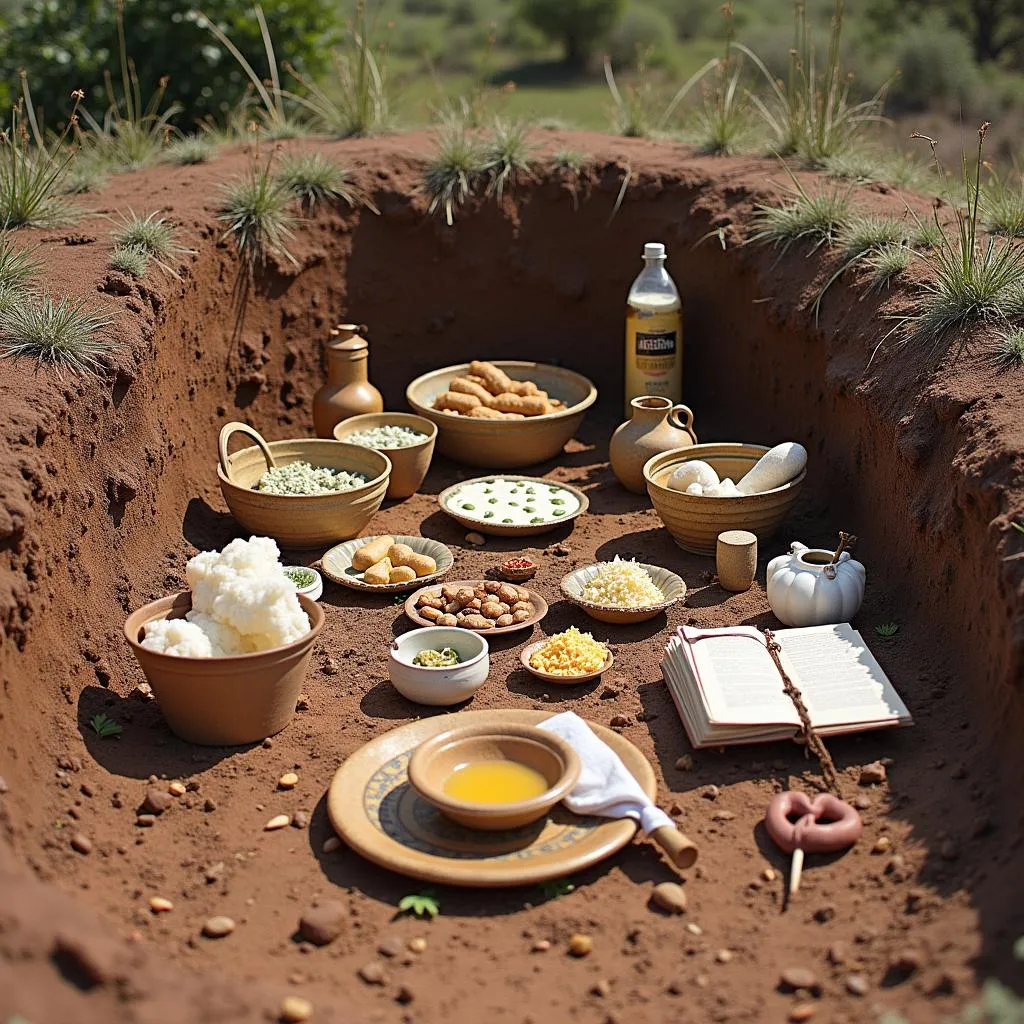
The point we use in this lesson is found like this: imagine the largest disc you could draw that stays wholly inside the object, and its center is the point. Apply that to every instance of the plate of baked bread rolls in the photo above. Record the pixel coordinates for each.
(502, 414)
(387, 563)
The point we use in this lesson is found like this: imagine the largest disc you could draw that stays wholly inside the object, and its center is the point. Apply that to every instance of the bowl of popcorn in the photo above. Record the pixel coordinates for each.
(305, 492)
(622, 591)
(567, 658)
(407, 440)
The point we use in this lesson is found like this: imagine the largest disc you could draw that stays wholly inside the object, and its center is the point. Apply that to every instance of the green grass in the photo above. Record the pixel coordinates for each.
(1002, 207)
(17, 266)
(884, 265)
(152, 235)
(313, 178)
(570, 161)
(256, 208)
(864, 164)
(132, 260)
(63, 334)
(85, 174)
(1010, 349)
(507, 155)
(456, 168)
(191, 150)
(809, 218)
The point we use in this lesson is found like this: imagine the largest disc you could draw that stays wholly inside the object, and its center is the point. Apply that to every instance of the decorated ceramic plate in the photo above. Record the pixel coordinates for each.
(671, 586)
(512, 506)
(337, 564)
(378, 814)
(559, 680)
(540, 607)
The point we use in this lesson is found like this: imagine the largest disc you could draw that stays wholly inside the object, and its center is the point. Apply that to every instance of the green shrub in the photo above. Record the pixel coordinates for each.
(65, 46)
(936, 67)
(579, 25)
(643, 29)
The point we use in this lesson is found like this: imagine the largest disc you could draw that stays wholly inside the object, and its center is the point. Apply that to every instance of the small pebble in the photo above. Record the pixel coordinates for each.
(418, 945)
(278, 821)
(909, 961)
(541, 946)
(601, 988)
(209, 805)
(802, 1012)
(300, 819)
(685, 763)
(389, 947)
(872, 774)
(373, 973)
(295, 1009)
(793, 978)
(4, 788)
(476, 539)
(159, 905)
(81, 843)
(723, 956)
(323, 923)
(723, 816)
(862, 801)
(405, 995)
(157, 801)
(331, 845)
(581, 945)
(949, 850)
(145, 820)
(710, 792)
(218, 927)
(769, 874)
(825, 914)
(619, 721)
(177, 789)
(837, 953)
(669, 896)
(857, 985)
(882, 843)
(288, 781)
(268, 743)
(693, 928)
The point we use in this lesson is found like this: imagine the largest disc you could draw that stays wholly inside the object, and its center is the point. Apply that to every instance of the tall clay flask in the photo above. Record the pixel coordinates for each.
(348, 391)
(655, 426)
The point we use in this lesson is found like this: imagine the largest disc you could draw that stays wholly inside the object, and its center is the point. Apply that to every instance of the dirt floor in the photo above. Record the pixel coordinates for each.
(107, 488)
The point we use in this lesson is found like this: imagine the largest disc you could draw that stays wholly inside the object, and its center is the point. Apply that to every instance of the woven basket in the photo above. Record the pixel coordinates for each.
(505, 444)
(300, 521)
(695, 521)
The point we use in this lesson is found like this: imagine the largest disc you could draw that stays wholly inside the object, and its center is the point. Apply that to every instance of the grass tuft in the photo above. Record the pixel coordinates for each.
(1002, 207)
(864, 233)
(17, 266)
(813, 219)
(256, 207)
(506, 156)
(570, 161)
(191, 150)
(63, 335)
(453, 174)
(1010, 349)
(866, 166)
(130, 259)
(312, 178)
(151, 234)
(886, 264)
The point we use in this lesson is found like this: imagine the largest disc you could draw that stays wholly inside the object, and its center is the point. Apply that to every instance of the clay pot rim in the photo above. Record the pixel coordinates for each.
(643, 402)
(428, 427)
(421, 780)
(157, 609)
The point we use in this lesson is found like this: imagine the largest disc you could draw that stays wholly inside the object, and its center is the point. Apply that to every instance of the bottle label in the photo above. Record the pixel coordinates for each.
(656, 341)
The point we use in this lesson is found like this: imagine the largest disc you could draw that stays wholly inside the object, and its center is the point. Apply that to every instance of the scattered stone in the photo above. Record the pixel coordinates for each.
(610, 693)
(145, 820)
(669, 896)
(209, 805)
(405, 995)
(862, 801)
(794, 979)
(419, 945)
(159, 905)
(218, 927)
(710, 792)
(302, 704)
(693, 928)
(143, 692)
(476, 539)
(915, 900)
(390, 947)
(837, 953)
(373, 973)
(825, 914)
(906, 963)
(872, 774)
(177, 789)
(723, 816)
(541, 946)
(214, 872)
(323, 923)
(857, 985)
(769, 874)
(601, 988)
(581, 945)
(676, 809)
(897, 867)
(684, 763)
(802, 1012)
(276, 822)
(619, 721)
(331, 845)
(86, 790)
(561, 550)
(882, 843)
(949, 850)
(81, 843)
(675, 988)
(702, 981)
(268, 744)
(723, 956)
(288, 781)
(295, 1009)
(157, 801)
(300, 819)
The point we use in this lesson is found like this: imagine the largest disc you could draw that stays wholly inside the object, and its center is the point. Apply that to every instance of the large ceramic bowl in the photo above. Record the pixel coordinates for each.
(301, 521)
(409, 465)
(433, 762)
(695, 521)
(439, 686)
(505, 444)
(223, 701)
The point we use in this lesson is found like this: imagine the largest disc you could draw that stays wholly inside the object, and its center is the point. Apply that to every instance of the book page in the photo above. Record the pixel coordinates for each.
(738, 679)
(839, 678)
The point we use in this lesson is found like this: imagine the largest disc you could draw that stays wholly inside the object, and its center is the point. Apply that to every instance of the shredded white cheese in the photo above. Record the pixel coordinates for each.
(304, 479)
(622, 584)
(387, 436)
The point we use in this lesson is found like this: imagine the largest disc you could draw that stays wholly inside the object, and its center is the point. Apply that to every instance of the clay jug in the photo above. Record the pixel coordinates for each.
(348, 391)
(654, 427)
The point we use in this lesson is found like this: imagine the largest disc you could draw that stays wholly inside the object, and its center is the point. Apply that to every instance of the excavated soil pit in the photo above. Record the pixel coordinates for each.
(107, 488)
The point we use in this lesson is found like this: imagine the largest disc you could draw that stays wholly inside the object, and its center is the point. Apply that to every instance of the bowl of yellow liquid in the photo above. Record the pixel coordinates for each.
(494, 778)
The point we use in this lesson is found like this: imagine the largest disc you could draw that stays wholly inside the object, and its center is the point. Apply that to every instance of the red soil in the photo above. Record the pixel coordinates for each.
(107, 487)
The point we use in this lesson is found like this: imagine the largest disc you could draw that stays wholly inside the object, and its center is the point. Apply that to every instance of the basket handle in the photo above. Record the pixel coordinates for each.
(682, 424)
(242, 428)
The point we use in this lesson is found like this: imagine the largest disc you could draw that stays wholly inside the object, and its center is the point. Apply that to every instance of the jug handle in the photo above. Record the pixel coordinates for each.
(687, 424)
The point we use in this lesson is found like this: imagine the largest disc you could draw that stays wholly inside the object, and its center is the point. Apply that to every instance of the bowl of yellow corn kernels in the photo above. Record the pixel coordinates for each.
(567, 658)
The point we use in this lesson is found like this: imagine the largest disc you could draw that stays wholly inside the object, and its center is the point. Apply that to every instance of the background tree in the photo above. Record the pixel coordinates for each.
(579, 25)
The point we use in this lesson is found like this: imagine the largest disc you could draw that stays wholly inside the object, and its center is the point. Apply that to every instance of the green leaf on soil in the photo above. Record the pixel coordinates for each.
(558, 887)
(423, 904)
(887, 629)
(105, 727)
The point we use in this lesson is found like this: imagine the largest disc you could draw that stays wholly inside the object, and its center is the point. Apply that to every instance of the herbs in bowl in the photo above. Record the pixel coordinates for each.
(446, 657)
(307, 581)
(303, 479)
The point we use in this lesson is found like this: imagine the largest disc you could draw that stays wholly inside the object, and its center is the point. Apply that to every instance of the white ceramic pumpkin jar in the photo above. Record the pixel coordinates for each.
(806, 589)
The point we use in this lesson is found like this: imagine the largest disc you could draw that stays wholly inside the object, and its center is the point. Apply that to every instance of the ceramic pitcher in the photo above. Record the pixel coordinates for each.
(348, 391)
(656, 426)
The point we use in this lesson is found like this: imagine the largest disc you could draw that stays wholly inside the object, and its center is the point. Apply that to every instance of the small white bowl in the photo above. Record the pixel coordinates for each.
(439, 686)
(315, 589)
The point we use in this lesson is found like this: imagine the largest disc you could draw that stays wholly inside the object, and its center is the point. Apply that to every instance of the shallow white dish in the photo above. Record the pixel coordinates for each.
(474, 519)
(314, 591)
(439, 686)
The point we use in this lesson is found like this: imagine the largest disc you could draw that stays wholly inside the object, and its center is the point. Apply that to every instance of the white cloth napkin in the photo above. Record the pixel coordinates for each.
(606, 786)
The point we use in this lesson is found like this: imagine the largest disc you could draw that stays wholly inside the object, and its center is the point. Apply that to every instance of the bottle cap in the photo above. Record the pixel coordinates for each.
(654, 251)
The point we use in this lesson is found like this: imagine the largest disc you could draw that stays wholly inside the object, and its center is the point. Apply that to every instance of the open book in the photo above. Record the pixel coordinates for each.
(728, 688)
